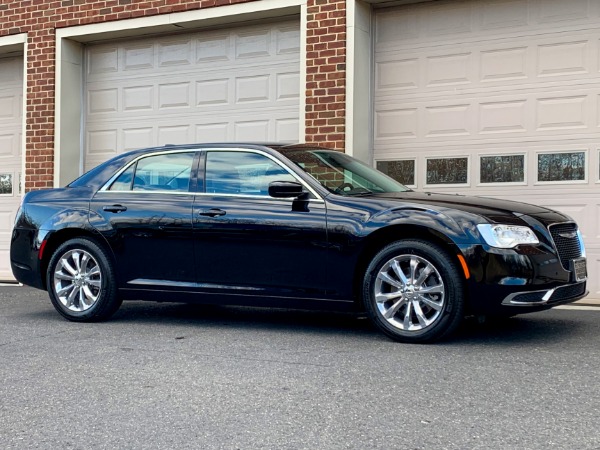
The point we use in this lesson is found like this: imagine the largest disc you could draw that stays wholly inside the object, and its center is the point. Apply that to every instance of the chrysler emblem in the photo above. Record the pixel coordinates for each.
(568, 234)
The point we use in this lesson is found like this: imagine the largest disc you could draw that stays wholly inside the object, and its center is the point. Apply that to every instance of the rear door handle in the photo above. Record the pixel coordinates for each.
(114, 208)
(213, 212)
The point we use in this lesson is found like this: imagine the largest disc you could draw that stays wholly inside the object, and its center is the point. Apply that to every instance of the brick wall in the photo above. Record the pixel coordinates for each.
(326, 44)
(326, 73)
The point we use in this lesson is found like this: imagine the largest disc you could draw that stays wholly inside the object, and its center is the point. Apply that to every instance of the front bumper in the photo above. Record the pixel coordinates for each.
(514, 281)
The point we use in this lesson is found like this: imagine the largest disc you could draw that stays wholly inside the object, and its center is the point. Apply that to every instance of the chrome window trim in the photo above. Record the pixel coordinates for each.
(146, 192)
(247, 196)
(208, 194)
(318, 198)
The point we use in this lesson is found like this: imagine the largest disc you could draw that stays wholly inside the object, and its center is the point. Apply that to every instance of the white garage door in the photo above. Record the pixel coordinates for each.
(498, 98)
(11, 99)
(232, 84)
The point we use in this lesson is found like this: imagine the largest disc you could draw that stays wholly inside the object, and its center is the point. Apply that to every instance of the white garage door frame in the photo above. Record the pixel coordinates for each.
(70, 55)
(15, 45)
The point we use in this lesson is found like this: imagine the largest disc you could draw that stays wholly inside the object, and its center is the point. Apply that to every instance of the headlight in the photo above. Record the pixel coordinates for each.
(507, 236)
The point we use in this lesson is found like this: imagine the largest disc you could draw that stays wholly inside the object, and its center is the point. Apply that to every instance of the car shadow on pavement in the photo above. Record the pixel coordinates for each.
(528, 328)
(518, 330)
(242, 317)
(538, 327)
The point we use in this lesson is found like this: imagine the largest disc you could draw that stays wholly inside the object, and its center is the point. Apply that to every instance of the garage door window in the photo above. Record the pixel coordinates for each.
(402, 170)
(447, 171)
(502, 169)
(561, 166)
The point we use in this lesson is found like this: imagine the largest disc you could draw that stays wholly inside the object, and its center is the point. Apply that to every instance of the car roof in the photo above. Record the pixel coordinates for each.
(282, 147)
(99, 174)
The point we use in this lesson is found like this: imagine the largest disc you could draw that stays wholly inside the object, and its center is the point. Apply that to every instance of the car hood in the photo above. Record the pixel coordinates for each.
(492, 209)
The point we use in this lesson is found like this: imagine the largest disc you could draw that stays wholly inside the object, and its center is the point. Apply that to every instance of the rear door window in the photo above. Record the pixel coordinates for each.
(165, 172)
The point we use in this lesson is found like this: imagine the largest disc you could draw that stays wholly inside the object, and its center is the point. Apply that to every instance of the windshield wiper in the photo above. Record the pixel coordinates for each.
(361, 192)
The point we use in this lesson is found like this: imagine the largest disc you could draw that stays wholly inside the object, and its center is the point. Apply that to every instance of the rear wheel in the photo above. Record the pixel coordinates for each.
(413, 292)
(81, 281)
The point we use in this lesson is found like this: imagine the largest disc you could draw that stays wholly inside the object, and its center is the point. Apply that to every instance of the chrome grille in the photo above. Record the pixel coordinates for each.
(566, 243)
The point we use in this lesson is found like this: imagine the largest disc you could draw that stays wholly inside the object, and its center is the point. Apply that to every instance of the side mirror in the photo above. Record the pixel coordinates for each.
(285, 189)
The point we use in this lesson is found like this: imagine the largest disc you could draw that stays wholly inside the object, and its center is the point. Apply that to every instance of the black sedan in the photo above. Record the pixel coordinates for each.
(290, 226)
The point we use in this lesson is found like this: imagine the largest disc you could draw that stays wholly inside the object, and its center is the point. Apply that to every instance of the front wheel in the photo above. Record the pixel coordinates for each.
(81, 281)
(413, 292)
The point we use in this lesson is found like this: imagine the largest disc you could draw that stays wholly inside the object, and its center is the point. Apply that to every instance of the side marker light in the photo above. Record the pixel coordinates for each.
(465, 268)
(42, 247)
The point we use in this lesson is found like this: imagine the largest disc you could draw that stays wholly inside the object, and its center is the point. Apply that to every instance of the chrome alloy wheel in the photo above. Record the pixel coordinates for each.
(409, 293)
(77, 280)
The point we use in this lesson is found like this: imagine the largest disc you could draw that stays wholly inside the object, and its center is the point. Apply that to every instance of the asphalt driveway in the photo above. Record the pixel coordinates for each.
(181, 376)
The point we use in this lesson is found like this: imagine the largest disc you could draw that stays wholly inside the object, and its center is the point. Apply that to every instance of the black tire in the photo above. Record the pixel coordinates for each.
(100, 300)
(441, 309)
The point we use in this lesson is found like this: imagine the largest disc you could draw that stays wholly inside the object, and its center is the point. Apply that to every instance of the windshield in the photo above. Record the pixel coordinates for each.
(342, 174)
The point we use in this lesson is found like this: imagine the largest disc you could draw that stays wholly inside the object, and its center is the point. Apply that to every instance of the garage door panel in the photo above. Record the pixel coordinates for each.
(10, 146)
(223, 91)
(502, 63)
(544, 113)
(11, 75)
(553, 11)
(593, 272)
(228, 84)
(216, 51)
(135, 137)
(431, 23)
(11, 97)
(10, 107)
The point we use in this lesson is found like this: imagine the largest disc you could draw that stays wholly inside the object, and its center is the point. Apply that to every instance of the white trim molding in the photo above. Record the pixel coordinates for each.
(358, 80)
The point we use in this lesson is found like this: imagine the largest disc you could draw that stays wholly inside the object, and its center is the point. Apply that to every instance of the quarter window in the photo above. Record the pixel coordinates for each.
(242, 173)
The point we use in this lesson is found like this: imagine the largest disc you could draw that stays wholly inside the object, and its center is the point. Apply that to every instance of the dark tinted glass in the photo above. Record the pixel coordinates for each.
(166, 172)
(343, 174)
(242, 173)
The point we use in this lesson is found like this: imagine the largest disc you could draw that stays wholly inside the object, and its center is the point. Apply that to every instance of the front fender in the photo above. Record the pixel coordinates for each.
(460, 230)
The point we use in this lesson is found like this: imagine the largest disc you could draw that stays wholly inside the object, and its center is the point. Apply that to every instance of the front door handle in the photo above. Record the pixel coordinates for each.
(114, 208)
(213, 212)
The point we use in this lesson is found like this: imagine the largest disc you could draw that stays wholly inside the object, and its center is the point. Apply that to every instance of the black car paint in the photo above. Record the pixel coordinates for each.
(308, 248)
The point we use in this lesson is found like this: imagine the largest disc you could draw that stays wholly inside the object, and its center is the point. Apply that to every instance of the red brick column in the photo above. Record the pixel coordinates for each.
(326, 73)
(39, 115)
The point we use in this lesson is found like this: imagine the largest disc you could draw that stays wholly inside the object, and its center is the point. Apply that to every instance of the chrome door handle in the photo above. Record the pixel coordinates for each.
(213, 212)
(114, 208)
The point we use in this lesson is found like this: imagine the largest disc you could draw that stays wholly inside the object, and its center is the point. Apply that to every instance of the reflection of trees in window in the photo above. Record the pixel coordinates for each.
(6, 183)
(242, 173)
(401, 170)
(561, 166)
(502, 169)
(447, 171)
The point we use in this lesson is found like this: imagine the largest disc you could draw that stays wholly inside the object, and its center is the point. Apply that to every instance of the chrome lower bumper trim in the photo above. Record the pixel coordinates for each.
(542, 297)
